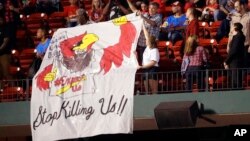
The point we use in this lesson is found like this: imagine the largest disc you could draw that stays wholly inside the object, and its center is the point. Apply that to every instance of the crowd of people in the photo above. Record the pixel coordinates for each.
(182, 23)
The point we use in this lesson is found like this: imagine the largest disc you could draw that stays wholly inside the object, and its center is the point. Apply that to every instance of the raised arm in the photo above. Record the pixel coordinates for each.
(124, 10)
(145, 31)
(106, 9)
(131, 6)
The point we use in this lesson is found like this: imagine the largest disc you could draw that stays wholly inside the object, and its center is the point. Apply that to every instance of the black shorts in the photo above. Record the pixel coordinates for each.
(150, 73)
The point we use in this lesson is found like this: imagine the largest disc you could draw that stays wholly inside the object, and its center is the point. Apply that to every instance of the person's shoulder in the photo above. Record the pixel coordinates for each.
(241, 34)
(155, 49)
(183, 15)
(170, 17)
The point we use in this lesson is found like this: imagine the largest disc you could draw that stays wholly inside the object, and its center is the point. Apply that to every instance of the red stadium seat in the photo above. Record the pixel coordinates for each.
(11, 94)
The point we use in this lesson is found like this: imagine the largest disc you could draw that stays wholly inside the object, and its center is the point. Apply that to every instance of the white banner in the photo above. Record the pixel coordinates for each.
(85, 84)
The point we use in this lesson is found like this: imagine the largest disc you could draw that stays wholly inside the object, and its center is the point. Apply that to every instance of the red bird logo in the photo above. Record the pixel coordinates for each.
(77, 51)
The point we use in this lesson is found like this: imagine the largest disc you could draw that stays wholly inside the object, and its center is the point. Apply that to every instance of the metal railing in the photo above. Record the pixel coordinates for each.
(192, 81)
(157, 83)
(15, 90)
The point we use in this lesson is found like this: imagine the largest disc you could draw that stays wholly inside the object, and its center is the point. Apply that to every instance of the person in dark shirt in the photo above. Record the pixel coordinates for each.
(236, 57)
(116, 9)
(5, 51)
(11, 10)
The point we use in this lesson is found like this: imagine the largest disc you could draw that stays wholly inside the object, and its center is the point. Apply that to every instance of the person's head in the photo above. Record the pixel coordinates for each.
(82, 16)
(41, 33)
(96, 3)
(176, 7)
(240, 5)
(238, 27)
(191, 45)
(153, 8)
(190, 13)
(151, 42)
(138, 4)
(144, 7)
(212, 1)
(72, 2)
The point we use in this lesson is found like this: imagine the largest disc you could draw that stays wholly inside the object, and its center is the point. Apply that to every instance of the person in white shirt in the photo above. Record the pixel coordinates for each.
(150, 63)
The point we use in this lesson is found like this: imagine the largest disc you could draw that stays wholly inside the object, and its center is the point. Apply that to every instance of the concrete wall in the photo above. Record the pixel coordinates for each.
(228, 102)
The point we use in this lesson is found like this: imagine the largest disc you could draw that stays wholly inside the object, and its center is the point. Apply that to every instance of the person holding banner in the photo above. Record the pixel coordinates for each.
(40, 51)
(150, 62)
(152, 21)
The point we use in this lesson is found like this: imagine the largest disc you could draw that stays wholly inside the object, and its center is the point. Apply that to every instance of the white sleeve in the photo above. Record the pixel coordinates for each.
(154, 55)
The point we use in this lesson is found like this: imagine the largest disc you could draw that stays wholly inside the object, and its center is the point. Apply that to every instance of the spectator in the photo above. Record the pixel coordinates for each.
(5, 51)
(11, 9)
(116, 9)
(161, 5)
(243, 16)
(96, 13)
(29, 6)
(81, 4)
(225, 11)
(235, 56)
(144, 8)
(175, 24)
(44, 42)
(82, 17)
(47, 6)
(199, 5)
(208, 13)
(150, 62)
(195, 56)
(193, 25)
(152, 22)
(70, 13)
(40, 51)
(226, 7)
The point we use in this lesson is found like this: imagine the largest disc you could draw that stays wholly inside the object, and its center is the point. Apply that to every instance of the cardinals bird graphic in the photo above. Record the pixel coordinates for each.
(77, 51)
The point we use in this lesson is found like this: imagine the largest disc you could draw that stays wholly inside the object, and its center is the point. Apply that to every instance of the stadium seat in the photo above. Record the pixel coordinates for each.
(26, 58)
(222, 47)
(177, 49)
(207, 42)
(14, 70)
(214, 28)
(11, 94)
(57, 20)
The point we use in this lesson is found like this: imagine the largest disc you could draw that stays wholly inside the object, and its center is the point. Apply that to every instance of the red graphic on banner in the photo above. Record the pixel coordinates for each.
(76, 52)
